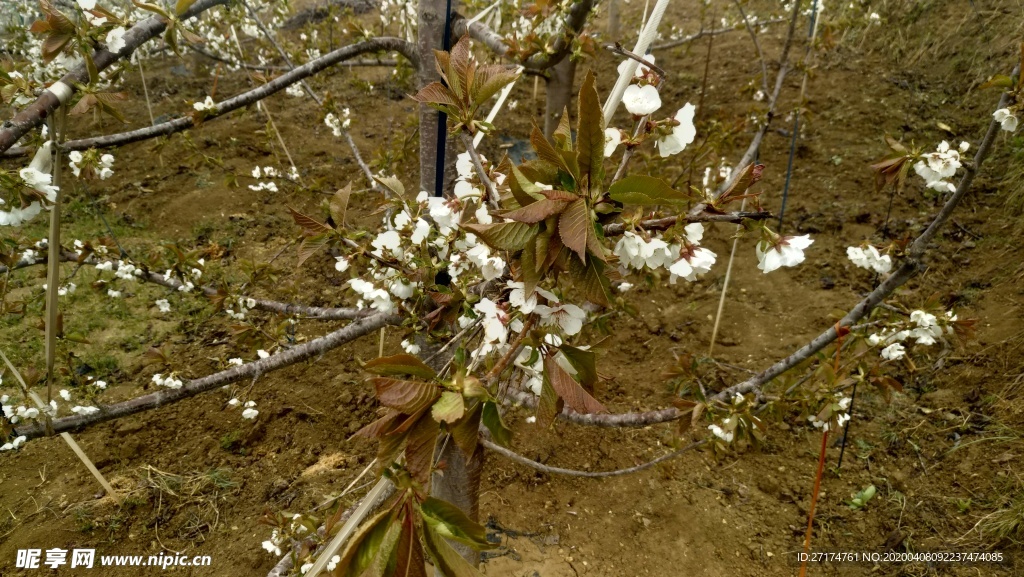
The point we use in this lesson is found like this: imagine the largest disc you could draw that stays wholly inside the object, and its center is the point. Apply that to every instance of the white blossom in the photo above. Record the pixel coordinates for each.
(936, 167)
(721, 433)
(641, 100)
(206, 105)
(869, 258)
(1006, 119)
(340, 264)
(250, 414)
(682, 134)
(163, 306)
(115, 39)
(788, 252)
(893, 352)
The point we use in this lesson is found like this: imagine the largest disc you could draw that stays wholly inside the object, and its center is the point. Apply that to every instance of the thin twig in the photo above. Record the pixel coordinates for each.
(492, 193)
(594, 475)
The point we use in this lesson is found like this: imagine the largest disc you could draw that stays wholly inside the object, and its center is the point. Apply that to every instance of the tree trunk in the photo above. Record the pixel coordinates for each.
(559, 93)
(613, 20)
(431, 18)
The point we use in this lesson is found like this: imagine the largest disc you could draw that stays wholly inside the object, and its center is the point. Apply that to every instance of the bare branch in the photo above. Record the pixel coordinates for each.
(663, 223)
(164, 397)
(34, 114)
(713, 32)
(246, 98)
(492, 194)
(593, 475)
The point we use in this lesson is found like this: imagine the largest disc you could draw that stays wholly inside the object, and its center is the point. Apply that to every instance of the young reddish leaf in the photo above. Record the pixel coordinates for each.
(310, 245)
(504, 235)
(569, 390)
(559, 195)
(537, 211)
(460, 68)
(410, 397)
(545, 151)
(400, 364)
(310, 226)
(449, 408)
(409, 559)
(339, 205)
(436, 94)
(590, 133)
(645, 191)
(747, 177)
(382, 426)
(450, 522)
(490, 79)
(491, 417)
(563, 133)
(466, 432)
(419, 449)
(573, 227)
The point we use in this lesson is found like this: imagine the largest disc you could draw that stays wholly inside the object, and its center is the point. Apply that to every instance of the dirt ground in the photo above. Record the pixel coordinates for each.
(945, 455)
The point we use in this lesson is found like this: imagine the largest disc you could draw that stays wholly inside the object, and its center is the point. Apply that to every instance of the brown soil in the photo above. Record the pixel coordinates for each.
(741, 514)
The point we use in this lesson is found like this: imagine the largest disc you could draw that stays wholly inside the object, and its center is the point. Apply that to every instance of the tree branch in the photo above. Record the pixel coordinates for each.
(663, 223)
(34, 114)
(164, 397)
(246, 98)
(713, 32)
(572, 25)
(593, 475)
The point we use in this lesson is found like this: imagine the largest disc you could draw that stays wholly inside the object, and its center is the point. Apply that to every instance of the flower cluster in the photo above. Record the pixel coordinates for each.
(92, 162)
(868, 257)
(924, 328)
(338, 126)
(1006, 118)
(244, 305)
(169, 381)
(834, 416)
(936, 167)
(686, 259)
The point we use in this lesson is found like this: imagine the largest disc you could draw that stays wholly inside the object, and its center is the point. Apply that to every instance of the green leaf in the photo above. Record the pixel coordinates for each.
(446, 559)
(585, 363)
(537, 211)
(523, 189)
(310, 245)
(590, 134)
(152, 8)
(549, 405)
(450, 522)
(401, 364)
(569, 390)
(528, 267)
(545, 151)
(383, 557)
(491, 418)
(646, 191)
(409, 397)
(505, 235)
(490, 79)
(573, 227)
(182, 6)
(392, 184)
(339, 205)
(590, 279)
(449, 408)
(364, 545)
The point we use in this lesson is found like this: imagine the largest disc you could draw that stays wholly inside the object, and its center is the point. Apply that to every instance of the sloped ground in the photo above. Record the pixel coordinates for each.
(943, 455)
